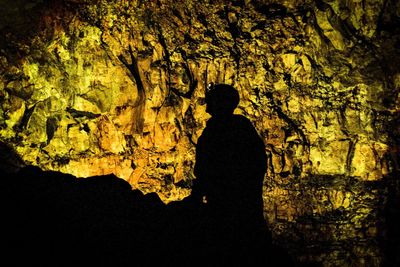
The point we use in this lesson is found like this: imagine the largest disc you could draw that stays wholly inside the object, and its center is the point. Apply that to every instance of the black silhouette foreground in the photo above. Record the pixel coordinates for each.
(230, 168)
(54, 219)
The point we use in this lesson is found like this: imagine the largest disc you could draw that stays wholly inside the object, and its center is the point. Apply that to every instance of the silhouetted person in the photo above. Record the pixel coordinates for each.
(230, 168)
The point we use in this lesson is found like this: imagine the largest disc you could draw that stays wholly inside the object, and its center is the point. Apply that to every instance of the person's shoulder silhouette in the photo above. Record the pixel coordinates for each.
(229, 169)
(230, 156)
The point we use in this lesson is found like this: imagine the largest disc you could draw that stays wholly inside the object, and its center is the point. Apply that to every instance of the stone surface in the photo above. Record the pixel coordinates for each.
(93, 87)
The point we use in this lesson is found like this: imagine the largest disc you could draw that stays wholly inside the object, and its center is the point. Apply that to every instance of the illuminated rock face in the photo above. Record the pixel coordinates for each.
(99, 87)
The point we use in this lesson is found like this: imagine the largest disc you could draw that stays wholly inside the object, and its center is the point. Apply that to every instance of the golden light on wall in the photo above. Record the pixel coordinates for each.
(100, 87)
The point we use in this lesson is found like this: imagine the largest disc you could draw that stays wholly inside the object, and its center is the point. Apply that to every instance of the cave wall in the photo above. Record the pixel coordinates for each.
(92, 87)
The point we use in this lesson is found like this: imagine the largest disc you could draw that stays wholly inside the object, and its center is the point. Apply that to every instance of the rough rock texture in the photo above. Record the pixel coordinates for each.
(94, 87)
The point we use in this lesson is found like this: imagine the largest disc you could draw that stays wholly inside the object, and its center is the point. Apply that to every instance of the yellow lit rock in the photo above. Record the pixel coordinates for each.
(101, 87)
(333, 35)
(329, 157)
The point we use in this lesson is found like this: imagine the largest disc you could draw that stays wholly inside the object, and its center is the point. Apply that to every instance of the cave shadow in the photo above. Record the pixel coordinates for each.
(55, 219)
(389, 230)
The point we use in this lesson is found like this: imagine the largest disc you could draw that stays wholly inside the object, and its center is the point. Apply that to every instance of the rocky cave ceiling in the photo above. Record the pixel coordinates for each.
(92, 87)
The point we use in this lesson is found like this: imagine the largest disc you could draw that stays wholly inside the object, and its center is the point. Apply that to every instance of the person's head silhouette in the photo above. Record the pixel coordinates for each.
(221, 100)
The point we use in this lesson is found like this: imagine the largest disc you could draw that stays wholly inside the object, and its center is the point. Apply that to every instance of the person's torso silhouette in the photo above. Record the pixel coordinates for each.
(230, 167)
(230, 157)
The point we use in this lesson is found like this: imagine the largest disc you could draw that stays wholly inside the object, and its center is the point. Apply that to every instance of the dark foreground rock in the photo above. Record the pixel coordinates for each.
(54, 219)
